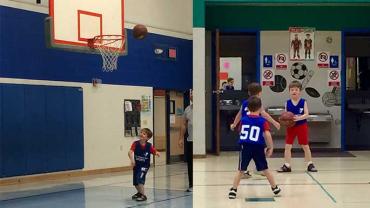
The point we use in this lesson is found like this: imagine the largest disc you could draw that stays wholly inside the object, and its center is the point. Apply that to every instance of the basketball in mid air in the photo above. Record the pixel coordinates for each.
(140, 31)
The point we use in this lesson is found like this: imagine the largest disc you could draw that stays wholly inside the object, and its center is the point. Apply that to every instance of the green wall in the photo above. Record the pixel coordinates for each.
(283, 17)
(286, 1)
(199, 6)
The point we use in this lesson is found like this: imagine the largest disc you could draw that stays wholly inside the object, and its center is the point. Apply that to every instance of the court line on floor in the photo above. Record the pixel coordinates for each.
(146, 204)
(282, 184)
(71, 190)
(296, 170)
(322, 187)
(76, 189)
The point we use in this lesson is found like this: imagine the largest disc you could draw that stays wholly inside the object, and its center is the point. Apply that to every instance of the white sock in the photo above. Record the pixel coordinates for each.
(287, 164)
(309, 162)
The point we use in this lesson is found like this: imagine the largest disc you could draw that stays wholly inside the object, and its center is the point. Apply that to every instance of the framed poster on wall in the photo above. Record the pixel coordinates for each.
(231, 67)
(301, 43)
(132, 125)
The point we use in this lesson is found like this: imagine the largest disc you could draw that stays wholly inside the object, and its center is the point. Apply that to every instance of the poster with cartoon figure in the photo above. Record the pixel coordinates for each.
(302, 43)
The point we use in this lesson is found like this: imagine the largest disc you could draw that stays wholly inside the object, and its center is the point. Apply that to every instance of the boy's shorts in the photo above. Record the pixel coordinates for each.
(139, 175)
(300, 131)
(255, 152)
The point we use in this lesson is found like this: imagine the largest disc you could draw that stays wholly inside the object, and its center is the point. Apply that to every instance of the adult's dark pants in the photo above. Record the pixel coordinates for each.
(189, 160)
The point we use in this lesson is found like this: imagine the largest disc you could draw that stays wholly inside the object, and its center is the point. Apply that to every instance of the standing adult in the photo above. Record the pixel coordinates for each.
(188, 125)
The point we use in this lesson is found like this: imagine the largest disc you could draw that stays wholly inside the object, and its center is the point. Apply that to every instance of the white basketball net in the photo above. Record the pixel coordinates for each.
(110, 47)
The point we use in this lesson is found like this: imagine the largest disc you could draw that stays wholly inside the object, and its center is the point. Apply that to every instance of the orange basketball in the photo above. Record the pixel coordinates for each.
(287, 119)
(140, 31)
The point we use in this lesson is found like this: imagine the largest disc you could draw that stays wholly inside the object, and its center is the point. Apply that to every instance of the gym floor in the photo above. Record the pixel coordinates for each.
(165, 187)
(341, 182)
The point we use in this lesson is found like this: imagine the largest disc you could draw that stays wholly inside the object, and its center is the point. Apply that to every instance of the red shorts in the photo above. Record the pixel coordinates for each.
(300, 131)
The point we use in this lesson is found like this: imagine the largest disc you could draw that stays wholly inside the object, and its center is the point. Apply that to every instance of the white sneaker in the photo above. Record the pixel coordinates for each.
(232, 193)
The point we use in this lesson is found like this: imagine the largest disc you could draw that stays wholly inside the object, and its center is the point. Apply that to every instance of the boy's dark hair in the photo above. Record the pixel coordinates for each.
(254, 88)
(254, 103)
(148, 132)
(295, 84)
(230, 79)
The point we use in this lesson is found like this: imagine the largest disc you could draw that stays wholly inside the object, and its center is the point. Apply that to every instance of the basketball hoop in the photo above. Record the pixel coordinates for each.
(110, 47)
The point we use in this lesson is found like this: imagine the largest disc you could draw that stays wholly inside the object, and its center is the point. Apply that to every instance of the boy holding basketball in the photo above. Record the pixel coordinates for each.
(254, 89)
(255, 133)
(139, 155)
(298, 106)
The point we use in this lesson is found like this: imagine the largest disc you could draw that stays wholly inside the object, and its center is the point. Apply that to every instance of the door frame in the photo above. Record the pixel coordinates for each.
(215, 65)
(166, 95)
(344, 34)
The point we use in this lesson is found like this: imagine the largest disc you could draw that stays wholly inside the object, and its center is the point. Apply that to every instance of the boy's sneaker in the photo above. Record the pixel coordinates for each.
(135, 196)
(190, 189)
(142, 197)
(246, 175)
(232, 193)
(311, 168)
(276, 190)
(284, 169)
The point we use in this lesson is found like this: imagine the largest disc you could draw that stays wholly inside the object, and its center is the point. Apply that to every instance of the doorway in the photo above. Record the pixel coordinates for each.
(160, 129)
(168, 109)
(232, 55)
(357, 91)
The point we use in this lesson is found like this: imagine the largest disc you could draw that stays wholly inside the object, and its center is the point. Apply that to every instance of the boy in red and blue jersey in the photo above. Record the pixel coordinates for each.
(298, 106)
(139, 155)
(255, 143)
(254, 89)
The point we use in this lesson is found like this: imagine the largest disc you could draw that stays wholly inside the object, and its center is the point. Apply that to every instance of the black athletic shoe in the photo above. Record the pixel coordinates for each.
(311, 168)
(284, 169)
(142, 197)
(190, 189)
(276, 190)
(135, 196)
(232, 193)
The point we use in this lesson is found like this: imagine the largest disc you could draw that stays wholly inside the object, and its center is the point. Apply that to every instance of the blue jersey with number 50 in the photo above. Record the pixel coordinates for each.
(252, 128)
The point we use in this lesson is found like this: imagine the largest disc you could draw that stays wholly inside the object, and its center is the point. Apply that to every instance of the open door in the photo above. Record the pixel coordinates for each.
(160, 126)
(217, 92)
(168, 109)
(175, 112)
(235, 64)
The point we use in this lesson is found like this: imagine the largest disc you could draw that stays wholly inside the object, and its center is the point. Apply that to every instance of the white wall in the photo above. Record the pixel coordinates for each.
(104, 141)
(199, 92)
(170, 15)
(166, 17)
(278, 41)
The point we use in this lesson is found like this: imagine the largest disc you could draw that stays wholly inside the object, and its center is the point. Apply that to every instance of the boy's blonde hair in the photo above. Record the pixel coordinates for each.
(295, 84)
(148, 132)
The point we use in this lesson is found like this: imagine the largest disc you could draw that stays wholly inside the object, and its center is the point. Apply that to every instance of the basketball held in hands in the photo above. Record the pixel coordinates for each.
(287, 119)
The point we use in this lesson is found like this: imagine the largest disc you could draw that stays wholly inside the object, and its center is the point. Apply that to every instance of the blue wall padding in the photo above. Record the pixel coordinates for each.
(41, 129)
(24, 54)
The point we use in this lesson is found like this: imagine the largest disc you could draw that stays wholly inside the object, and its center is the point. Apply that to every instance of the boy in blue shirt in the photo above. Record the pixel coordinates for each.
(298, 106)
(254, 89)
(254, 131)
(139, 155)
